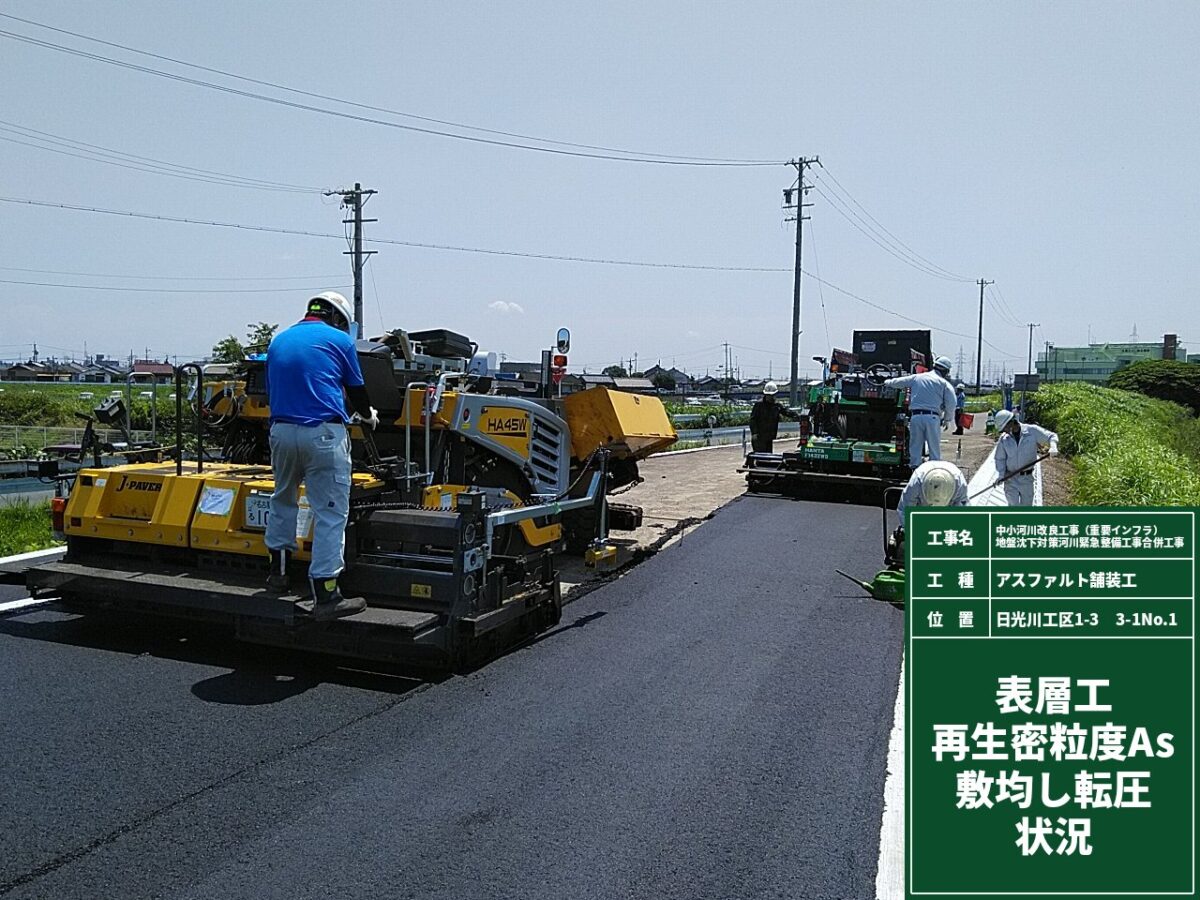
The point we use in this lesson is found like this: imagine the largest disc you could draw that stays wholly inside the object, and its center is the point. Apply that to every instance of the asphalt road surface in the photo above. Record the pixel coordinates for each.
(712, 724)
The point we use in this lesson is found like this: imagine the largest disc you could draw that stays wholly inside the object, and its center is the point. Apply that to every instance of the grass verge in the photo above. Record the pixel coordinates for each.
(1128, 450)
(25, 527)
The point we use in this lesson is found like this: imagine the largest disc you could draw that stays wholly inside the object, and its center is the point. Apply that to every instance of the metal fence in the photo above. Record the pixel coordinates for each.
(38, 436)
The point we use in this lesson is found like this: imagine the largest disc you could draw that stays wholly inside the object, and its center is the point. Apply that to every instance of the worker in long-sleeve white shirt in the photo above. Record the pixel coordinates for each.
(931, 408)
(935, 483)
(1017, 449)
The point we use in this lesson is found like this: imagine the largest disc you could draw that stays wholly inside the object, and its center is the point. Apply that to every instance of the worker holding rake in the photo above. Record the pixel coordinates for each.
(1016, 454)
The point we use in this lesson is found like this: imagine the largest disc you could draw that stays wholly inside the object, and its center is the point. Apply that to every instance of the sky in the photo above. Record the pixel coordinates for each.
(1049, 147)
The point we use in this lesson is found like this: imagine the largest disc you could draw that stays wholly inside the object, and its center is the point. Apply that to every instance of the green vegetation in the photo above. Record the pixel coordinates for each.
(230, 349)
(725, 415)
(1129, 450)
(984, 402)
(55, 405)
(24, 527)
(1162, 379)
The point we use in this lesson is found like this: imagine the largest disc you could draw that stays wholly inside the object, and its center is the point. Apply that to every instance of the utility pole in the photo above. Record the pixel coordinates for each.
(726, 367)
(979, 346)
(354, 199)
(798, 206)
(1029, 365)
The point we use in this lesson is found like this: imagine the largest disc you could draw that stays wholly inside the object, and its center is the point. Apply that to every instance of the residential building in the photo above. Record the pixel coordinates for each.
(162, 372)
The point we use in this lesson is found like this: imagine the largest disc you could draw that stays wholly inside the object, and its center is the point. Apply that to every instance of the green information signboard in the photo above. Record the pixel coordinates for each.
(1050, 743)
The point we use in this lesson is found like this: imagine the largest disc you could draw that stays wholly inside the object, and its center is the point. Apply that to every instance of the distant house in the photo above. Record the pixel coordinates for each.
(68, 371)
(526, 371)
(681, 379)
(26, 371)
(635, 385)
(99, 373)
(161, 372)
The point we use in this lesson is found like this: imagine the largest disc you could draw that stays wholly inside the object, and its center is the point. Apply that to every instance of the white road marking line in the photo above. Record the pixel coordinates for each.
(22, 604)
(889, 877)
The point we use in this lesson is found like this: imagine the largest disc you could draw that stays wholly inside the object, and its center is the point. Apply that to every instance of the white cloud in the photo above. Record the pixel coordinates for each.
(505, 307)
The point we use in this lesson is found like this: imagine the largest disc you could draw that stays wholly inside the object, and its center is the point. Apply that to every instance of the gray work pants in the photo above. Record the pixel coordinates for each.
(1018, 490)
(320, 458)
(924, 431)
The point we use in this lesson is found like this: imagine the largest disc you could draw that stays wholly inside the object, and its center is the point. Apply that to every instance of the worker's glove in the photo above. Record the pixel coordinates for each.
(374, 420)
(1054, 448)
(945, 425)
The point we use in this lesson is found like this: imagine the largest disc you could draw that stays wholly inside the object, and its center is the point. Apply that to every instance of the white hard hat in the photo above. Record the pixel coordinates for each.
(1003, 418)
(943, 363)
(960, 387)
(335, 301)
(939, 485)
(770, 389)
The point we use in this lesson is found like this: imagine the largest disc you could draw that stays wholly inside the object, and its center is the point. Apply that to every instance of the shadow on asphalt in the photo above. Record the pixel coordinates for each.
(257, 675)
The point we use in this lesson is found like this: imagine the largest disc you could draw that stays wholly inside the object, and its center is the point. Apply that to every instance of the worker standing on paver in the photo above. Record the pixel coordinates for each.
(308, 367)
(1016, 453)
(931, 403)
(960, 407)
(764, 419)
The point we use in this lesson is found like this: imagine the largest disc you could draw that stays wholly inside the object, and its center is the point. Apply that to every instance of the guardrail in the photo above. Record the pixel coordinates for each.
(38, 436)
(728, 435)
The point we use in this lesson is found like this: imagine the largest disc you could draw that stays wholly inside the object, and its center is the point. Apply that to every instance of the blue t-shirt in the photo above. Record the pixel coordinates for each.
(308, 365)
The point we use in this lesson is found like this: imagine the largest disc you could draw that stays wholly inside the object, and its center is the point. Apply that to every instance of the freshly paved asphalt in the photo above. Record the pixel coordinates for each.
(712, 724)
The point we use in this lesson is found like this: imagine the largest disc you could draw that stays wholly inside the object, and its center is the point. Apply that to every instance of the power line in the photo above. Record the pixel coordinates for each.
(174, 277)
(892, 312)
(490, 251)
(653, 159)
(850, 216)
(417, 244)
(1006, 317)
(382, 109)
(156, 290)
(109, 156)
(759, 350)
(812, 237)
(900, 243)
(1005, 303)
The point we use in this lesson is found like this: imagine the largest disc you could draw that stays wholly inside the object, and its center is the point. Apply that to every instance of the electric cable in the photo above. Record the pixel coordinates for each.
(371, 120)
(156, 290)
(173, 277)
(382, 109)
(825, 172)
(109, 156)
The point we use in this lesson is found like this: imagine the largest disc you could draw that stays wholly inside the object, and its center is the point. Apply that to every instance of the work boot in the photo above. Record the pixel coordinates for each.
(328, 602)
(277, 580)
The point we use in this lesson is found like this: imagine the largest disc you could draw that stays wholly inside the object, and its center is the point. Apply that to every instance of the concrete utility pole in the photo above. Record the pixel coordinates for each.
(798, 192)
(354, 199)
(1029, 366)
(979, 346)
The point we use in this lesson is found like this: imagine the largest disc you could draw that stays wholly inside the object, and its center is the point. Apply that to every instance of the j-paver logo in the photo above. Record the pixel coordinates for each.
(138, 484)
